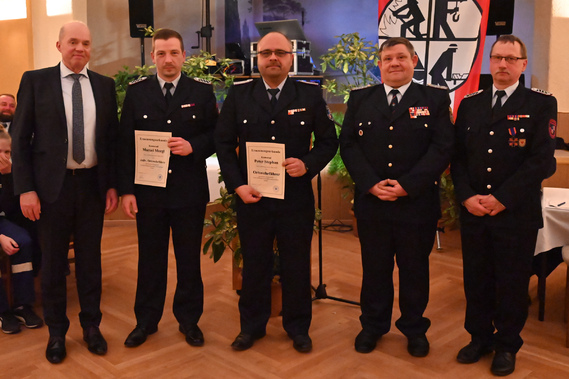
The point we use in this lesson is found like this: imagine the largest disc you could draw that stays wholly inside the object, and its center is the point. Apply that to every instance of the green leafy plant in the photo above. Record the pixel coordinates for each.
(353, 56)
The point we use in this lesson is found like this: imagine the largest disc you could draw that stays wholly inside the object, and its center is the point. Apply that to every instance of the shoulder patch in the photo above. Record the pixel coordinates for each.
(543, 92)
(307, 82)
(242, 82)
(200, 80)
(141, 79)
(437, 86)
(473, 94)
(362, 87)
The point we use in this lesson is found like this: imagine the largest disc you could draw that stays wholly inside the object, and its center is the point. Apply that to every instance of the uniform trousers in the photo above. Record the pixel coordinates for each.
(259, 225)
(411, 244)
(153, 226)
(497, 268)
(78, 211)
(22, 268)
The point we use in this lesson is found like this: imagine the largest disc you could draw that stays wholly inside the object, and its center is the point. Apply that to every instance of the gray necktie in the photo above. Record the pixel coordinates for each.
(168, 94)
(78, 127)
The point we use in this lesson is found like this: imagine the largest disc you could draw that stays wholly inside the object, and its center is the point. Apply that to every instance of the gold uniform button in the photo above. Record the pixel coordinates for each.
(360, 124)
(390, 164)
(426, 125)
(145, 116)
(489, 169)
(489, 186)
(391, 128)
(369, 122)
(491, 132)
(390, 146)
(169, 171)
(194, 117)
(272, 122)
(169, 121)
(244, 121)
(522, 130)
(489, 151)
(273, 138)
(302, 123)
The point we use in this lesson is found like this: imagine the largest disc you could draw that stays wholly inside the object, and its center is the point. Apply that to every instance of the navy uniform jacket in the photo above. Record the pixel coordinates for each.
(247, 116)
(39, 133)
(413, 145)
(507, 156)
(191, 115)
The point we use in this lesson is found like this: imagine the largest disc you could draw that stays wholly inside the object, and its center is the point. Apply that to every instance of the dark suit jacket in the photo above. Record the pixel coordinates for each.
(247, 116)
(192, 115)
(522, 143)
(39, 133)
(413, 145)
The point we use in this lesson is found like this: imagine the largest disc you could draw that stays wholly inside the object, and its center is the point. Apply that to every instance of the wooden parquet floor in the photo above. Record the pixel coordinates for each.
(334, 327)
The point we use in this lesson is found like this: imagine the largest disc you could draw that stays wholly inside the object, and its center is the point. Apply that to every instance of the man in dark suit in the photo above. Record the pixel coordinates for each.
(63, 151)
(168, 102)
(396, 141)
(298, 110)
(505, 146)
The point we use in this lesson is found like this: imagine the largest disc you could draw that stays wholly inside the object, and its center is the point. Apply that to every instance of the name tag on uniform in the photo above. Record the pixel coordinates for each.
(516, 117)
(415, 112)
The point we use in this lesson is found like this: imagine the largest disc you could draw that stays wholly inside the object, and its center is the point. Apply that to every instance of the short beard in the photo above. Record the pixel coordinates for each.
(6, 117)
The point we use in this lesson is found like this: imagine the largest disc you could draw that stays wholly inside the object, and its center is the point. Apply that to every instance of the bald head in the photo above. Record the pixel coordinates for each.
(74, 44)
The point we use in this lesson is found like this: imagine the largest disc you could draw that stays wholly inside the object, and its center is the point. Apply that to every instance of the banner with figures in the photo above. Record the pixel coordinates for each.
(448, 36)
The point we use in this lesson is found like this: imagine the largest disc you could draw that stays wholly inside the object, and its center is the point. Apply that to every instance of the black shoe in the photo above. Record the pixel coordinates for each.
(302, 343)
(55, 352)
(366, 342)
(138, 336)
(95, 341)
(504, 363)
(473, 352)
(28, 317)
(418, 346)
(194, 336)
(9, 323)
(244, 341)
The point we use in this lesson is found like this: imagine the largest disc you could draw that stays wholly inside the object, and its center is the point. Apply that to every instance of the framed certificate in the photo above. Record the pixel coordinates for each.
(265, 170)
(152, 158)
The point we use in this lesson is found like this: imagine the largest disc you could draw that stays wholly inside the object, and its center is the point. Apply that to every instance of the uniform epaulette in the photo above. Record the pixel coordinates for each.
(437, 86)
(543, 92)
(200, 80)
(141, 79)
(473, 94)
(307, 82)
(242, 82)
(362, 87)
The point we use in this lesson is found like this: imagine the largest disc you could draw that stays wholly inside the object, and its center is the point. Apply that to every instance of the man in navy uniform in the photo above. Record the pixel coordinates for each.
(168, 102)
(396, 141)
(275, 109)
(505, 146)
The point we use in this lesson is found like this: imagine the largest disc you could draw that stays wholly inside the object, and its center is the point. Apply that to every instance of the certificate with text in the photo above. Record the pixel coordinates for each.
(152, 158)
(265, 169)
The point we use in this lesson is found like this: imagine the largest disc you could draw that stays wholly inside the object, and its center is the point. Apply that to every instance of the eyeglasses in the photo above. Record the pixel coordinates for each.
(498, 59)
(278, 53)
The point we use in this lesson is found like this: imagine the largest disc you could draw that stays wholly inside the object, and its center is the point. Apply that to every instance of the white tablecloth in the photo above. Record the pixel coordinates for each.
(555, 209)
(212, 177)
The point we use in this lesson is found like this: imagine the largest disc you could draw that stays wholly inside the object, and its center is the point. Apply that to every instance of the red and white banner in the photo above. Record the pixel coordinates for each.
(448, 36)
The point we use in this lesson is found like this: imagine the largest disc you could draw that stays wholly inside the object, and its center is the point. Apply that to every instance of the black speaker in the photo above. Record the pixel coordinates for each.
(141, 15)
(500, 17)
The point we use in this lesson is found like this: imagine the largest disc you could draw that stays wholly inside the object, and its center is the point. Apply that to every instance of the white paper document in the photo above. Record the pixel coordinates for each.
(265, 169)
(152, 158)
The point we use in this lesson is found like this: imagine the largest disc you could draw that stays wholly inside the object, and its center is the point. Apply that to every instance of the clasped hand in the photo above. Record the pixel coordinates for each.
(388, 190)
(481, 205)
